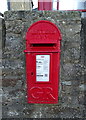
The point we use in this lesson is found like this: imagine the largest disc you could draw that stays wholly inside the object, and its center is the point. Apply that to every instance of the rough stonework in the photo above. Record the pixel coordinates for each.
(72, 86)
(0, 67)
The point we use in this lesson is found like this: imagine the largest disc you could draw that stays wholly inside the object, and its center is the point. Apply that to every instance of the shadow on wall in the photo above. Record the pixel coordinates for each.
(3, 30)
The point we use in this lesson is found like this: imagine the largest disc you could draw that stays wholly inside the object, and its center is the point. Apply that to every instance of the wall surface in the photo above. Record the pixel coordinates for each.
(72, 86)
(0, 68)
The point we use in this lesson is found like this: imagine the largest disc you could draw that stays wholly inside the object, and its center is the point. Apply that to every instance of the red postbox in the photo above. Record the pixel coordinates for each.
(42, 62)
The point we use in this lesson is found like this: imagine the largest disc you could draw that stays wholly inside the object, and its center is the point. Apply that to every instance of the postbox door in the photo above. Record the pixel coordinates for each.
(42, 77)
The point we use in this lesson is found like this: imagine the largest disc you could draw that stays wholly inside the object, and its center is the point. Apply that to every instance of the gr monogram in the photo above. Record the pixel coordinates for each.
(42, 93)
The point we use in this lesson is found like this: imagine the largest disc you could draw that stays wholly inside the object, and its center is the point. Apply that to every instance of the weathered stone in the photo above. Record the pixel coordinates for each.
(72, 74)
(82, 87)
(13, 64)
(9, 82)
(66, 83)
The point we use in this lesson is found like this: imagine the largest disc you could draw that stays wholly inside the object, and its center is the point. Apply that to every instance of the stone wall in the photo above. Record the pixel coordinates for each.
(73, 50)
(0, 67)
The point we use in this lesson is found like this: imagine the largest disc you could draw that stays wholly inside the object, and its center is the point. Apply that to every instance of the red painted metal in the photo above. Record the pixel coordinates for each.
(48, 5)
(42, 39)
(45, 4)
(40, 6)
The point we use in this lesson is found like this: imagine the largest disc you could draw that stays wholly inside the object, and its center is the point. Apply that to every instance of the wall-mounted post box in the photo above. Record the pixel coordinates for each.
(42, 62)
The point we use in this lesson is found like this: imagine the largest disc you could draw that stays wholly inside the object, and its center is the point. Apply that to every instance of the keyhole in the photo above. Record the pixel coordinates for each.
(32, 73)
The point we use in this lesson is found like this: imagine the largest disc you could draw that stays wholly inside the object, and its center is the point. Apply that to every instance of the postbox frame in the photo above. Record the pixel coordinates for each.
(32, 84)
